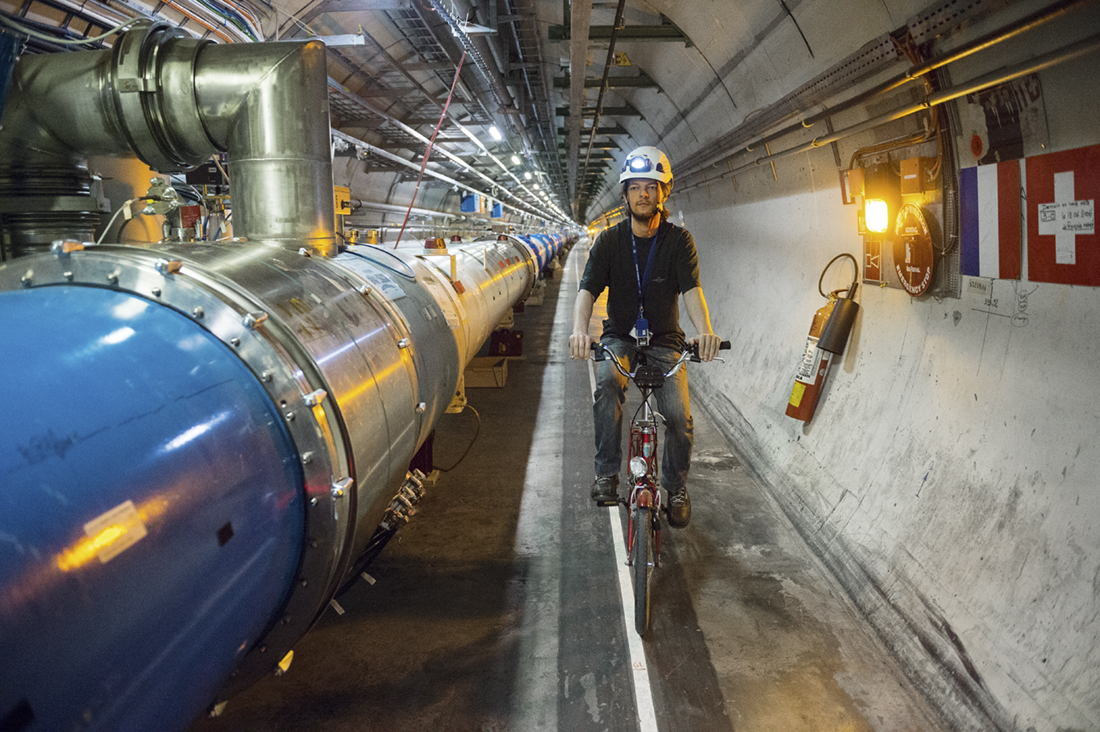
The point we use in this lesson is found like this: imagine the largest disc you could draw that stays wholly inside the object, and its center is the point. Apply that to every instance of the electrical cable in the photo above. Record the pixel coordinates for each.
(123, 207)
(468, 447)
(218, 164)
(19, 27)
(410, 275)
(428, 152)
(855, 263)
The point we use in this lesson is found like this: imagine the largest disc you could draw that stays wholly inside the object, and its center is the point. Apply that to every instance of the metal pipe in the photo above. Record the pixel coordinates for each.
(1000, 76)
(173, 100)
(268, 106)
(967, 49)
(326, 374)
(262, 406)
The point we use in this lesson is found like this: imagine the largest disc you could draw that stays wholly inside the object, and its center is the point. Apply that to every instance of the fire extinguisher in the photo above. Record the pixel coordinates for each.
(828, 337)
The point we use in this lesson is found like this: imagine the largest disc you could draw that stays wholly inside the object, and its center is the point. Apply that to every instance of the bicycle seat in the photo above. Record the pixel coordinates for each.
(649, 377)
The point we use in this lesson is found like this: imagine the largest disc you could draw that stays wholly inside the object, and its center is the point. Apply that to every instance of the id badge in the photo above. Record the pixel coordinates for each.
(641, 331)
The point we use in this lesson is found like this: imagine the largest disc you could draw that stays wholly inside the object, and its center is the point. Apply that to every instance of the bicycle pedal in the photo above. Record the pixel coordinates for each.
(607, 504)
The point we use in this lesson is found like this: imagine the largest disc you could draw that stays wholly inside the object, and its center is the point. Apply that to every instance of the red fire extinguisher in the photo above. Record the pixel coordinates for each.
(828, 337)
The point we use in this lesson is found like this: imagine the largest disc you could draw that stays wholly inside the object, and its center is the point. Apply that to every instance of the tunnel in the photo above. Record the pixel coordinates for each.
(292, 438)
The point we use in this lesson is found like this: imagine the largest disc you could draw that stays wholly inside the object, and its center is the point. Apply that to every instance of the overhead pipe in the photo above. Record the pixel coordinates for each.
(1000, 76)
(216, 431)
(397, 159)
(478, 49)
(986, 41)
(413, 133)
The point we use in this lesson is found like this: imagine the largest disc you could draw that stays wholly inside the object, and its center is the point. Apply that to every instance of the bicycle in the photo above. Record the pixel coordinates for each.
(643, 529)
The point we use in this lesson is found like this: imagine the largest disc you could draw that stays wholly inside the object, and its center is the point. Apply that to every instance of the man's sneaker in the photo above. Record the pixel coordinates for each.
(679, 508)
(605, 490)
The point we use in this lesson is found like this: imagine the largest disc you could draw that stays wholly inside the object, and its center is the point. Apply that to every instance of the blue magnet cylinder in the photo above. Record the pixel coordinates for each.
(151, 512)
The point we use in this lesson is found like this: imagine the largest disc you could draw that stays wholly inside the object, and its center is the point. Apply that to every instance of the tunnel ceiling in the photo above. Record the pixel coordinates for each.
(689, 76)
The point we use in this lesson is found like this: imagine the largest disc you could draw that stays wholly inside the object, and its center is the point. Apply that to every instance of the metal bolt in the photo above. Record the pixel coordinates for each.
(69, 276)
(315, 397)
(266, 376)
(364, 289)
(198, 312)
(28, 279)
(307, 458)
(403, 343)
(289, 416)
(113, 277)
(313, 501)
(304, 252)
(236, 342)
(421, 408)
(156, 292)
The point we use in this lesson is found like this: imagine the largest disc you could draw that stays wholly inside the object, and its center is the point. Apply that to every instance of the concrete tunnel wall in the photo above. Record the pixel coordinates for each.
(949, 477)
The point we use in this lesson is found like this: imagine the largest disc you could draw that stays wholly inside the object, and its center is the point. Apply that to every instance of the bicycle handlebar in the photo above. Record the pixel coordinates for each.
(690, 353)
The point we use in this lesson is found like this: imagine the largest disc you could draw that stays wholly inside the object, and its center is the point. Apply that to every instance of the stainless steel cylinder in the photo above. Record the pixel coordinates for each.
(173, 101)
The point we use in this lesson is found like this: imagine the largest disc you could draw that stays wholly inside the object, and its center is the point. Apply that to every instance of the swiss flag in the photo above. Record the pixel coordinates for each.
(1062, 191)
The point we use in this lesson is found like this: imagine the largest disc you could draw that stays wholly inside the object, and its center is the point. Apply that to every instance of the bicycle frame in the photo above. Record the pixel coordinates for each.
(644, 492)
(644, 553)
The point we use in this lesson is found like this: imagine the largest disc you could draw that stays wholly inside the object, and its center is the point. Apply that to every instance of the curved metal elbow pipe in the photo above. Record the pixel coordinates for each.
(172, 101)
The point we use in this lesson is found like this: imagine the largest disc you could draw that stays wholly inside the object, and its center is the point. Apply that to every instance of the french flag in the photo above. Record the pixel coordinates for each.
(990, 240)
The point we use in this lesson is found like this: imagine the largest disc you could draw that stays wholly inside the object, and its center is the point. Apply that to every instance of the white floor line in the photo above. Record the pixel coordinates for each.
(643, 692)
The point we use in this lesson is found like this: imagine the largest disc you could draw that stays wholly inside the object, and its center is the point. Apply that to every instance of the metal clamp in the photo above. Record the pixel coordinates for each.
(64, 247)
(252, 320)
(342, 486)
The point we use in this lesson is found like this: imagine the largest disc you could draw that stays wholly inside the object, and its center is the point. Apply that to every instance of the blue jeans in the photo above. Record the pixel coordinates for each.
(671, 401)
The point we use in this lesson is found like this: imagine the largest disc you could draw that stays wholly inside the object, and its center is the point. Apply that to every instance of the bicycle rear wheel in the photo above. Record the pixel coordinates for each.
(641, 558)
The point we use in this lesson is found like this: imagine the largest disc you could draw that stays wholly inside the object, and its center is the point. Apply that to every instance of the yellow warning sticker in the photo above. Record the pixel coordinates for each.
(797, 392)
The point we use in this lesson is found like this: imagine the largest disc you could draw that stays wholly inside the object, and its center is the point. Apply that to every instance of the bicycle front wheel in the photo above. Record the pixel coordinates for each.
(641, 557)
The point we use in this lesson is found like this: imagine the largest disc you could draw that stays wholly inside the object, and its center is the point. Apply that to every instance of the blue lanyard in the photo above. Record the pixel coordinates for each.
(643, 281)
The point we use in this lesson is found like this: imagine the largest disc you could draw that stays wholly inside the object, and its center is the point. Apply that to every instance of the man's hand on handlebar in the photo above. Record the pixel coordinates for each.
(708, 344)
(580, 345)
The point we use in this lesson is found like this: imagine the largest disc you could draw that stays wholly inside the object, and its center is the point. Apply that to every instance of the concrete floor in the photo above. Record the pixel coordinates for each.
(499, 606)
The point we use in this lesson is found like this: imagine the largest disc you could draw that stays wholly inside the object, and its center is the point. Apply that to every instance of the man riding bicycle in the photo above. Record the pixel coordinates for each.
(646, 263)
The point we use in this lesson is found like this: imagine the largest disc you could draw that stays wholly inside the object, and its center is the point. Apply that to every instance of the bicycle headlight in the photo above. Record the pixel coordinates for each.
(638, 467)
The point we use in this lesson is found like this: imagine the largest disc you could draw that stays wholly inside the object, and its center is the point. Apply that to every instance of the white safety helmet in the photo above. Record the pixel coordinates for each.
(647, 162)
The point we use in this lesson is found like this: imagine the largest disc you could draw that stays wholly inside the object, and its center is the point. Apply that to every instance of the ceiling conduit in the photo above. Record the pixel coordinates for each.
(743, 138)
(1076, 50)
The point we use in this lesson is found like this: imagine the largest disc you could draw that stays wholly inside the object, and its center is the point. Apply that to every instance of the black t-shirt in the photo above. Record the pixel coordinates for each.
(675, 271)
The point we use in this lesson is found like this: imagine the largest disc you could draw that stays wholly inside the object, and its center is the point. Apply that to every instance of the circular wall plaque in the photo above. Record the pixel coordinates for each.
(913, 256)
